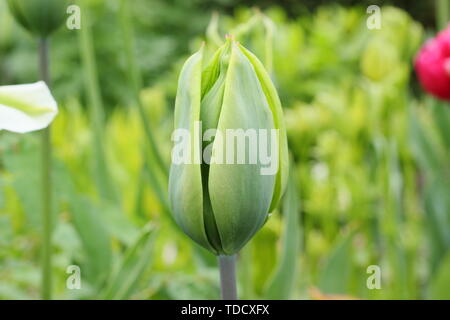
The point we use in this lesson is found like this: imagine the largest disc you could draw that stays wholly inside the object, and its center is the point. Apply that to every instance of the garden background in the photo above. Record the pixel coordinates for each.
(370, 153)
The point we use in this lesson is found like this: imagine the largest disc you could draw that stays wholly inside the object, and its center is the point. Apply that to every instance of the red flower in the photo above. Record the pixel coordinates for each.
(433, 65)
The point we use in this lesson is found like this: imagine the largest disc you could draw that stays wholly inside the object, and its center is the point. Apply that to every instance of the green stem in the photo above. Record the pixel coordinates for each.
(227, 265)
(46, 289)
(96, 109)
(442, 13)
(136, 81)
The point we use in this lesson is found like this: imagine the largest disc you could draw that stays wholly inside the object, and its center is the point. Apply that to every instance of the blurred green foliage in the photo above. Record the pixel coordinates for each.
(369, 184)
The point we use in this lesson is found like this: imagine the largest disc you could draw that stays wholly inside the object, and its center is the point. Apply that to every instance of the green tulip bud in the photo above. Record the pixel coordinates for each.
(40, 17)
(219, 203)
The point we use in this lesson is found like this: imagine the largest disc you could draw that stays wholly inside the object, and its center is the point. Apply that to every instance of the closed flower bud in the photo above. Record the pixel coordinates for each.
(223, 202)
(433, 65)
(40, 17)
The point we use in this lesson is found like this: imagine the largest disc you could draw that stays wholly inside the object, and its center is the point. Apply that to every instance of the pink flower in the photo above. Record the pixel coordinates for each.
(433, 65)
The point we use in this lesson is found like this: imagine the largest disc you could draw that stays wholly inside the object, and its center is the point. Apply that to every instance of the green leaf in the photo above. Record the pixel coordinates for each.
(441, 116)
(117, 224)
(23, 166)
(132, 267)
(335, 275)
(283, 281)
(95, 239)
(440, 284)
(22, 162)
(437, 207)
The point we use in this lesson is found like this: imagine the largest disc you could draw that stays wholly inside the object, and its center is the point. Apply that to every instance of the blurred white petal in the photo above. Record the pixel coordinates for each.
(26, 107)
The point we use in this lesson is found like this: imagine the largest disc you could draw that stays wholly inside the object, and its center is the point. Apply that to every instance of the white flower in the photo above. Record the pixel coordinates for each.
(26, 107)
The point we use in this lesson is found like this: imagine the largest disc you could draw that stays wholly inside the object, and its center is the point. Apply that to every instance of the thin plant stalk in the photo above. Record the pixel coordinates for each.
(227, 266)
(442, 13)
(154, 166)
(136, 82)
(46, 184)
(96, 109)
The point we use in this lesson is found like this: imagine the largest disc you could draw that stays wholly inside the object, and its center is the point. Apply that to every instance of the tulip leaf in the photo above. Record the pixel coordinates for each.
(441, 280)
(95, 239)
(283, 281)
(132, 267)
(336, 271)
(441, 116)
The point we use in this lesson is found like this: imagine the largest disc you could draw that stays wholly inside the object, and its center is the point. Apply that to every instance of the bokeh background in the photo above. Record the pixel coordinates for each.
(370, 153)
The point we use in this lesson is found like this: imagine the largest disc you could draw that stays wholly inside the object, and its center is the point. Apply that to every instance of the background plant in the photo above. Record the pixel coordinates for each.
(370, 155)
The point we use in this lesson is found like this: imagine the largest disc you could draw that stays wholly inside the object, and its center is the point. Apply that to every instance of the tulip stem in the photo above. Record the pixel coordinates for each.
(46, 185)
(227, 265)
(135, 79)
(103, 179)
(442, 13)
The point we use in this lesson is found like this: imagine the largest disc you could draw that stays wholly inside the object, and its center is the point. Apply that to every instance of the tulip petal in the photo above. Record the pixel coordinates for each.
(277, 111)
(240, 195)
(213, 85)
(26, 107)
(185, 181)
(211, 72)
(212, 103)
